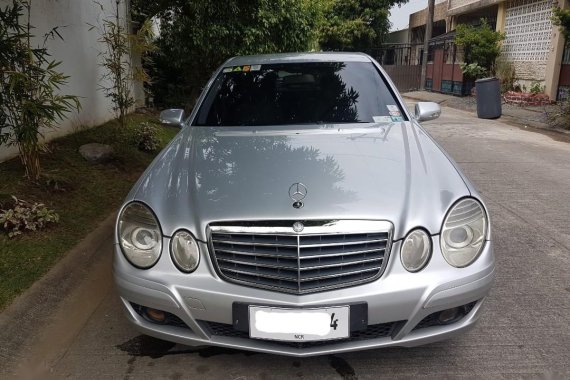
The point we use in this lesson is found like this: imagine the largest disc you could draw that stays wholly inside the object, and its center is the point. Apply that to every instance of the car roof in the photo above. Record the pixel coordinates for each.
(297, 57)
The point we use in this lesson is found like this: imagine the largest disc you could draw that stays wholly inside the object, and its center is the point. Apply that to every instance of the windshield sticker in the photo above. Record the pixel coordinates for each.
(397, 118)
(392, 108)
(382, 119)
(241, 69)
(395, 113)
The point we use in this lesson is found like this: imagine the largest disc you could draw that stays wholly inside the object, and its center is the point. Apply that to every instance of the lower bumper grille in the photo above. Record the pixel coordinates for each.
(381, 330)
(316, 256)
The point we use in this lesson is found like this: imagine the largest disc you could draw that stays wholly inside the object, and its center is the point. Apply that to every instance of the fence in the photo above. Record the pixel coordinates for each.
(402, 62)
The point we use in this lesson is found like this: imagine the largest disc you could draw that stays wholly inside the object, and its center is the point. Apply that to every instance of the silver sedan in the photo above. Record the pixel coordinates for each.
(303, 210)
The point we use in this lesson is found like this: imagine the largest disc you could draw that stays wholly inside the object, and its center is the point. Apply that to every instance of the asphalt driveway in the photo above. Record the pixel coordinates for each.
(524, 331)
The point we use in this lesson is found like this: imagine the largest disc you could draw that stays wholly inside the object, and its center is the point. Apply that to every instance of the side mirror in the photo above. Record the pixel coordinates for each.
(174, 116)
(425, 111)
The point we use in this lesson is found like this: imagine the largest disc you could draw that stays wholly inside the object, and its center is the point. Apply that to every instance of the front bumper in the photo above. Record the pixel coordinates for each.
(202, 300)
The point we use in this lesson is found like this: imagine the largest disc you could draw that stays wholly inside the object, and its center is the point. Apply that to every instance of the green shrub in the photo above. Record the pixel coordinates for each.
(505, 71)
(480, 44)
(146, 137)
(536, 88)
(472, 70)
(26, 216)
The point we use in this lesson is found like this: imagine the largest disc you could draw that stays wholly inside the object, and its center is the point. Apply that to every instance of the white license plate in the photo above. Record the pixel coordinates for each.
(299, 325)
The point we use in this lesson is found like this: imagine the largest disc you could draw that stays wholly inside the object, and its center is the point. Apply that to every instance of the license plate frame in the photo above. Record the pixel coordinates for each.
(299, 324)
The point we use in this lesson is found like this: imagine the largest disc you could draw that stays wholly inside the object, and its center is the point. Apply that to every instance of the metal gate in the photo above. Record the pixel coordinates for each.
(406, 78)
(402, 62)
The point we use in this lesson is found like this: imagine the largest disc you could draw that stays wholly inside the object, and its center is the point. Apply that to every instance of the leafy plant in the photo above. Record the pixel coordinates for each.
(472, 70)
(505, 71)
(561, 18)
(480, 44)
(355, 25)
(26, 216)
(197, 36)
(536, 88)
(146, 137)
(116, 60)
(29, 87)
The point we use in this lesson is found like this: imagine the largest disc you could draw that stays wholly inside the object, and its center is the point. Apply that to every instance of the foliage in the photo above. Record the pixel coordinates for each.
(198, 35)
(472, 70)
(505, 71)
(480, 44)
(92, 193)
(536, 88)
(29, 87)
(117, 61)
(146, 137)
(26, 216)
(561, 18)
(354, 25)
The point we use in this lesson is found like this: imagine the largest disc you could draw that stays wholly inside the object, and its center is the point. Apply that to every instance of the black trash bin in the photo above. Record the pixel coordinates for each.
(488, 98)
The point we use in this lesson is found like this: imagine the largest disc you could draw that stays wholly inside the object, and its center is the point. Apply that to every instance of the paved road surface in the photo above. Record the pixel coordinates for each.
(524, 332)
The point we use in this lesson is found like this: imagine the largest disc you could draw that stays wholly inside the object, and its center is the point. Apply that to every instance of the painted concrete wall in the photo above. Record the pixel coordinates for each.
(79, 55)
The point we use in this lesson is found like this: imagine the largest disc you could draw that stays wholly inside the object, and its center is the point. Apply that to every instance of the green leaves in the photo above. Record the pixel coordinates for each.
(480, 44)
(561, 18)
(354, 25)
(29, 87)
(198, 35)
(26, 216)
(116, 60)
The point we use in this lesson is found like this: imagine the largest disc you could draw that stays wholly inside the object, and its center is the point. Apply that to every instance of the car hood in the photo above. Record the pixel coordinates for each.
(392, 172)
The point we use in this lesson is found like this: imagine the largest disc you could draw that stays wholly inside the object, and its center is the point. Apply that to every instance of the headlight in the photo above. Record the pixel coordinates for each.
(464, 232)
(140, 237)
(416, 250)
(184, 251)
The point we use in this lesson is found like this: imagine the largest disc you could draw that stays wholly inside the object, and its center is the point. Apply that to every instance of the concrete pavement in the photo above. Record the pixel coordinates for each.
(524, 331)
(535, 117)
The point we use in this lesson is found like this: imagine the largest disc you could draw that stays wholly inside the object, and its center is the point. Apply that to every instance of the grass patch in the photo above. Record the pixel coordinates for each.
(81, 193)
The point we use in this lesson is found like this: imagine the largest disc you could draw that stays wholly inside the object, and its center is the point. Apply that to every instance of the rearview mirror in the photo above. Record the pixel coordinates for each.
(173, 116)
(425, 111)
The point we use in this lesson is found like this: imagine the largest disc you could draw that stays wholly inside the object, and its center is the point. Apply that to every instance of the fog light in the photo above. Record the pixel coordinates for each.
(154, 315)
(450, 315)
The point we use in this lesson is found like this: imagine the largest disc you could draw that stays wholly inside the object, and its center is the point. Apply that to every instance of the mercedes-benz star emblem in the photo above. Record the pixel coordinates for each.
(298, 227)
(297, 192)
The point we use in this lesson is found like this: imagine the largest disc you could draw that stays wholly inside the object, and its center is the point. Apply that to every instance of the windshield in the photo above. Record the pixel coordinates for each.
(298, 93)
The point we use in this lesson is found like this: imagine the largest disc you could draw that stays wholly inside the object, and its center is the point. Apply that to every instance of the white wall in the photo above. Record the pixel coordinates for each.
(78, 52)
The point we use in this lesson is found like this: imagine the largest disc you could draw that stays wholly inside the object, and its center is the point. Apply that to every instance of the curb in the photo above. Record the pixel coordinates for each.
(57, 306)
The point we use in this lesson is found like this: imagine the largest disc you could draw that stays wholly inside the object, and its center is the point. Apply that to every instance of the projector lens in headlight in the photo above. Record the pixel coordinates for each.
(140, 237)
(464, 233)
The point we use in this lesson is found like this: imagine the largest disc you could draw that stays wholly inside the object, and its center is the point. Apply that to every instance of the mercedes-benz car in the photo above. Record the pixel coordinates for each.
(303, 210)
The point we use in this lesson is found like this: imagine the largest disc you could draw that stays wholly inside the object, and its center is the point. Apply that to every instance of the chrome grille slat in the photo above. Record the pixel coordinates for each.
(254, 244)
(341, 253)
(266, 275)
(325, 255)
(341, 244)
(258, 264)
(323, 277)
(340, 264)
(251, 253)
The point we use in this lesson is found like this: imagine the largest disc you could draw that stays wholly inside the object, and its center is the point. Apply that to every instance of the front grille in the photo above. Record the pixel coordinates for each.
(380, 330)
(324, 255)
